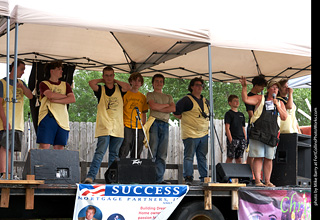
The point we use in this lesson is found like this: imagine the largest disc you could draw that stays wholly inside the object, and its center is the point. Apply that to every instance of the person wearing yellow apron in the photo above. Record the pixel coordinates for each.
(109, 123)
(193, 111)
(22, 90)
(53, 119)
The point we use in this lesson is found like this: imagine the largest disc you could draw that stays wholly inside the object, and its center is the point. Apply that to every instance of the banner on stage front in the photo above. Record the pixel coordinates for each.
(126, 202)
(274, 204)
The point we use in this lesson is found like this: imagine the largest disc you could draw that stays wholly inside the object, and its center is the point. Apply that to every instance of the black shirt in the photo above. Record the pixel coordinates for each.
(109, 92)
(236, 121)
(185, 104)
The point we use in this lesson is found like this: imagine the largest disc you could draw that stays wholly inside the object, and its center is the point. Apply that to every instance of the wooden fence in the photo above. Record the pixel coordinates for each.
(81, 138)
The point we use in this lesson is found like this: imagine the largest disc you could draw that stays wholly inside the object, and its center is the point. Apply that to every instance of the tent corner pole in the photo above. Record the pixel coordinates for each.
(7, 97)
(14, 94)
(213, 166)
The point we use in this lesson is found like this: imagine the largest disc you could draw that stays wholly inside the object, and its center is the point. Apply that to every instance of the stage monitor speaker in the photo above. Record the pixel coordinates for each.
(127, 171)
(292, 165)
(226, 171)
(53, 166)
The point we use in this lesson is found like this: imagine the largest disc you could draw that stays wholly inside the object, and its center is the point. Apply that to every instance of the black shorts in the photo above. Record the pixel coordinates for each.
(236, 148)
(17, 139)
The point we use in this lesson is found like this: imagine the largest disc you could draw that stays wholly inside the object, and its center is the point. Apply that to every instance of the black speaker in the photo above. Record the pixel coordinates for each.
(126, 171)
(292, 163)
(53, 166)
(226, 171)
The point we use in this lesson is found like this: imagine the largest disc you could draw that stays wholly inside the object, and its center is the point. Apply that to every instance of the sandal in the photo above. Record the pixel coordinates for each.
(260, 184)
(269, 184)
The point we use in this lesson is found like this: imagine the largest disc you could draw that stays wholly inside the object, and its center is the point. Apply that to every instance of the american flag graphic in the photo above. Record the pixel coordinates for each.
(92, 189)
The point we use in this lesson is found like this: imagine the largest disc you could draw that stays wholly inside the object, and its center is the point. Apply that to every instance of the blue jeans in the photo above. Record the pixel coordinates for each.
(200, 147)
(159, 137)
(114, 144)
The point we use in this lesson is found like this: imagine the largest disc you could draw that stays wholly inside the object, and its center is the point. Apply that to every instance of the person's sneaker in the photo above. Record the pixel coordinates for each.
(165, 182)
(188, 180)
(88, 180)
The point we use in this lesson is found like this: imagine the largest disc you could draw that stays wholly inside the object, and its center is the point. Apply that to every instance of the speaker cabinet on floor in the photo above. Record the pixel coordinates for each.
(126, 171)
(292, 163)
(53, 166)
(227, 171)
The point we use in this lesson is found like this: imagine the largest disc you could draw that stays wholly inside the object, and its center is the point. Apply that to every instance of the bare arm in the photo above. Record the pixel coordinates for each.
(144, 118)
(156, 106)
(94, 84)
(289, 104)
(67, 100)
(3, 116)
(125, 86)
(26, 91)
(281, 109)
(177, 116)
(250, 100)
(228, 132)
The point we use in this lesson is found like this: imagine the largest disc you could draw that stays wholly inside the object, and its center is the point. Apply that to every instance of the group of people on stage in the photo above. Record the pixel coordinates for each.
(120, 102)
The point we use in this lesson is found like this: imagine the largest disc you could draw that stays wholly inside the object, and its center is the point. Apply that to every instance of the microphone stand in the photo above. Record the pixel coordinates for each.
(144, 133)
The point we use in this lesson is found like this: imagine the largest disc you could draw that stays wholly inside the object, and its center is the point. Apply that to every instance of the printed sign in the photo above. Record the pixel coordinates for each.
(115, 202)
(274, 204)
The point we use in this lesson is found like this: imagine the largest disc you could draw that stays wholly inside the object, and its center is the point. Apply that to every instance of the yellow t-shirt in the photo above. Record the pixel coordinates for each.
(131, 100)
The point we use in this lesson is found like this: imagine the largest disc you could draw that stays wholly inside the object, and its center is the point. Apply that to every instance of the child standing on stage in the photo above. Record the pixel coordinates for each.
(53, 114)
(235, 131)
(131, 100)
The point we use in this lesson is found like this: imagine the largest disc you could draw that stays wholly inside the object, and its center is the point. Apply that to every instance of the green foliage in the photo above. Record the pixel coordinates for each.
(85, 108)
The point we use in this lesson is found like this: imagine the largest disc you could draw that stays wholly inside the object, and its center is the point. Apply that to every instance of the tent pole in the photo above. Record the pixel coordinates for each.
(7, 97)
(213, 163)
(14, 95)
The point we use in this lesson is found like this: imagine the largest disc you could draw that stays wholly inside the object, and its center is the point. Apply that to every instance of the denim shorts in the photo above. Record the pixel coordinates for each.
(259, 149)
(49, 132)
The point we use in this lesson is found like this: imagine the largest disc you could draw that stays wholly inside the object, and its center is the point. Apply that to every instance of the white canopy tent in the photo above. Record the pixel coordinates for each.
(246, 37)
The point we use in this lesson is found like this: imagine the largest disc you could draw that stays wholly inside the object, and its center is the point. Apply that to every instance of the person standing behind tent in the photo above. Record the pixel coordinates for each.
(109, 122)
(265, 128)
(194, 114)
(131, 100)
(22, 90)
(285, 94)
(160, 105)
(258, 82)
(235, 131)
(53, 113)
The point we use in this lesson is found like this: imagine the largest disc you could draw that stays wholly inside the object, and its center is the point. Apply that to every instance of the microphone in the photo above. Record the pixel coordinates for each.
(274, 97)
(138, 112)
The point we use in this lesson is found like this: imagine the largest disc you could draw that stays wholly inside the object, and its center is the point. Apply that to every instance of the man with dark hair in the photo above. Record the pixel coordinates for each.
(131, 100)
(193, 111)
(235, 131)
(109, 123)
(53, 113)
(22, 90)
(160, 107)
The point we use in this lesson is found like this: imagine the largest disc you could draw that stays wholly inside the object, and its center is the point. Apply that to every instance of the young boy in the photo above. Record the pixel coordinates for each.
(131, 100)
(235, 131)
(161, 105)
(53, 114)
